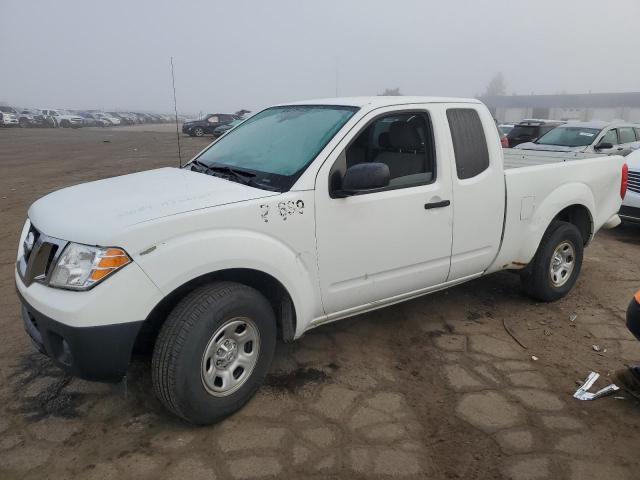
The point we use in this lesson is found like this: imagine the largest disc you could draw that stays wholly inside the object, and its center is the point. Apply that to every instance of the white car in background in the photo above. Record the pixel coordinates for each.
(630, 210)
(9, 116)
(64, 119)
(114, 120)
(588, 137)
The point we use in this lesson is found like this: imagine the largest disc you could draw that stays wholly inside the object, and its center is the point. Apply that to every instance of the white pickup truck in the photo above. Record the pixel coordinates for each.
(304, 214)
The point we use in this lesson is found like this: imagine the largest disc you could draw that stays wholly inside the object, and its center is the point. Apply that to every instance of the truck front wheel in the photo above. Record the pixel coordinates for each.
(214, 351)
(556, 265)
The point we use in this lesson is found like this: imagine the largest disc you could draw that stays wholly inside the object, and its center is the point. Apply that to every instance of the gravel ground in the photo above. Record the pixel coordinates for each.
(432, 388)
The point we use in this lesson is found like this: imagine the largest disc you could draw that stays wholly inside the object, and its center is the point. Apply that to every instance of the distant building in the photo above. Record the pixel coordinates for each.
(588, 106)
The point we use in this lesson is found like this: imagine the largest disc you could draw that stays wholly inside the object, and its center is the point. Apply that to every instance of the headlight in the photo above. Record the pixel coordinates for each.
(81, 266)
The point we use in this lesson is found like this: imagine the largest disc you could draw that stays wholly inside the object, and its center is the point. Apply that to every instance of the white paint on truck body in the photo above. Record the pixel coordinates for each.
(336, 257)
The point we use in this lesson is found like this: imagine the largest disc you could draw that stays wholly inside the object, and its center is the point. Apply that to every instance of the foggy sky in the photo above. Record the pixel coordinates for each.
(248, 54)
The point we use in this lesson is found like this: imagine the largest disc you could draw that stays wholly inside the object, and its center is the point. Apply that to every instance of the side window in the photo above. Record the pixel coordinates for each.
(213, 119)
(637, 134)
(610, 137)
(626, 134)
(402, 141)
(469, 142)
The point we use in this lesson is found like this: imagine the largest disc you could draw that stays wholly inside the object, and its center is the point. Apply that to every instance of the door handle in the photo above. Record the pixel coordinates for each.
(443, 203)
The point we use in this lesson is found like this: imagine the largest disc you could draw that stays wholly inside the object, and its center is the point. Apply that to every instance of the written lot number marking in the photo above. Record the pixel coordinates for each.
(286, 209)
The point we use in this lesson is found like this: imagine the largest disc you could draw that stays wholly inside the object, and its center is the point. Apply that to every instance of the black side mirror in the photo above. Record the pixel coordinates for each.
(603, 146)
(364, 177)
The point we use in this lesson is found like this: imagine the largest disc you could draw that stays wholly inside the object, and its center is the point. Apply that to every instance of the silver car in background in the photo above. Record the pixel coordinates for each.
(588, 137)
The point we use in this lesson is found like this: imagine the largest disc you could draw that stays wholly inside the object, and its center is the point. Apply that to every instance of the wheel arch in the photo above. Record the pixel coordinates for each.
(269, 286)
(580, 216)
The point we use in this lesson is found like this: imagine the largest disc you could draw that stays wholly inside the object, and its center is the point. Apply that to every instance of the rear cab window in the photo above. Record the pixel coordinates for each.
(469, 142)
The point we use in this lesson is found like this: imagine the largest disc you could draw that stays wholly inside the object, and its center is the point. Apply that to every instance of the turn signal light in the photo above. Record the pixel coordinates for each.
(112, 260)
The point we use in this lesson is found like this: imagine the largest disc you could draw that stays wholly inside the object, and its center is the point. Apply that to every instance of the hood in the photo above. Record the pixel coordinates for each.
(94, 212)
(548, 148)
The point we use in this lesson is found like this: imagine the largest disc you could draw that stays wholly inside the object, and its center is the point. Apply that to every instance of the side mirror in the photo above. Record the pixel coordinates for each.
(364, 177)
(603, 146)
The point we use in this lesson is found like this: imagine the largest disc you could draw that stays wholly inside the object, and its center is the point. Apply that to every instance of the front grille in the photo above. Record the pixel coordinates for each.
(634, 181)
(40, 255)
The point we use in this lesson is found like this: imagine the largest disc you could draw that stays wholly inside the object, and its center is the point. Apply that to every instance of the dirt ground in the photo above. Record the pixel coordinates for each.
(432, 388)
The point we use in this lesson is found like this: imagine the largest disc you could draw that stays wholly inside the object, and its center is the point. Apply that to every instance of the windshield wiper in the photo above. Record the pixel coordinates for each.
(241, 176)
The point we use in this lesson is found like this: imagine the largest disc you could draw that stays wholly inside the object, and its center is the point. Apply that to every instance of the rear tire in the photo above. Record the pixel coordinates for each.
(556, 265)
(213, 333)
(198, 131)
(65, 124)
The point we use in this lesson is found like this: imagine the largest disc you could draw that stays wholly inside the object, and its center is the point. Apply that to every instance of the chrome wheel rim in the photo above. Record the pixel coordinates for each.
(562, 264)
(230, 356)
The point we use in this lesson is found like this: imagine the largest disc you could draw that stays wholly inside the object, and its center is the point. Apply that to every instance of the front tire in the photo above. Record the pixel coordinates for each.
(556, 265)
(198, 131)
(65, 124)
(213, 352)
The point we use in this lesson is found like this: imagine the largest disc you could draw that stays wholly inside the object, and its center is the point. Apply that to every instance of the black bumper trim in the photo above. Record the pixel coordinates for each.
(633, 318)
(100, 353)
(630, 214)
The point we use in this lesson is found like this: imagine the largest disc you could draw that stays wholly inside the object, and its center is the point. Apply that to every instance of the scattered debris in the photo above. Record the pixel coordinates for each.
(572, 317)
(106, 141)
(508, 330)
(547, 332)
(534, 358)
(619, 398)
(583, 392)
(596, 348)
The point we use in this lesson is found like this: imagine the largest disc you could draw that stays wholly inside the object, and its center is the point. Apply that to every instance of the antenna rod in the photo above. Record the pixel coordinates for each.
(175, 110)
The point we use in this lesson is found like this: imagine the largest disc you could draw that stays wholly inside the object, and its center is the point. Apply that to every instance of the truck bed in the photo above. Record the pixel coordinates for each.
(540, 184)
(514, 158)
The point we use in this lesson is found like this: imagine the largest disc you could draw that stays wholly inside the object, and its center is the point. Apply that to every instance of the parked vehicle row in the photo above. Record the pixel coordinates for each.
(56, 117)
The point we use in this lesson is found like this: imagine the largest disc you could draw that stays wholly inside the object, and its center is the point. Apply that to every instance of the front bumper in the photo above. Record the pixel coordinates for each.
(186, 128)
(93, 353)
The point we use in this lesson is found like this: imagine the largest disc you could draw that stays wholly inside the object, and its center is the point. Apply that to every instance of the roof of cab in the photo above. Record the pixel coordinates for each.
(381, 101)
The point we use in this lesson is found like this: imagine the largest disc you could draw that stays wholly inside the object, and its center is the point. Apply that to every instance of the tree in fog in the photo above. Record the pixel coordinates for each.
(391, 92)
(496, 86)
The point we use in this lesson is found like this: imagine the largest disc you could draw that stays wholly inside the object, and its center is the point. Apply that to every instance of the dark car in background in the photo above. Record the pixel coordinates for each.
(222, 129)
(207, 125)
(529, 130)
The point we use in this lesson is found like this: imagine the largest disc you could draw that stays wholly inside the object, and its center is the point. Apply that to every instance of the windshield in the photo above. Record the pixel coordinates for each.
(277, 144)
(569, 137)
(7, 110)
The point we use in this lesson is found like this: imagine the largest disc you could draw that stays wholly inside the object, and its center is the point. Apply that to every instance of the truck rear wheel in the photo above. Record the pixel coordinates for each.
(214, 351)
(556, 265)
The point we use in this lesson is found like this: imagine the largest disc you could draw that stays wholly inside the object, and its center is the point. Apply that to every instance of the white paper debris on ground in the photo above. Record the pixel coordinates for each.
(572, 317)
(534, 358)
(596, 348)
(583, 392)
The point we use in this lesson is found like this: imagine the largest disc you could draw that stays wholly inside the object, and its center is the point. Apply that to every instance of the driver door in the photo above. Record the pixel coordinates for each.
(382, 246)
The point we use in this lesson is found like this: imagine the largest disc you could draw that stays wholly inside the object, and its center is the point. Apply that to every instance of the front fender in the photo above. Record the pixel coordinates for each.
(179, 260)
